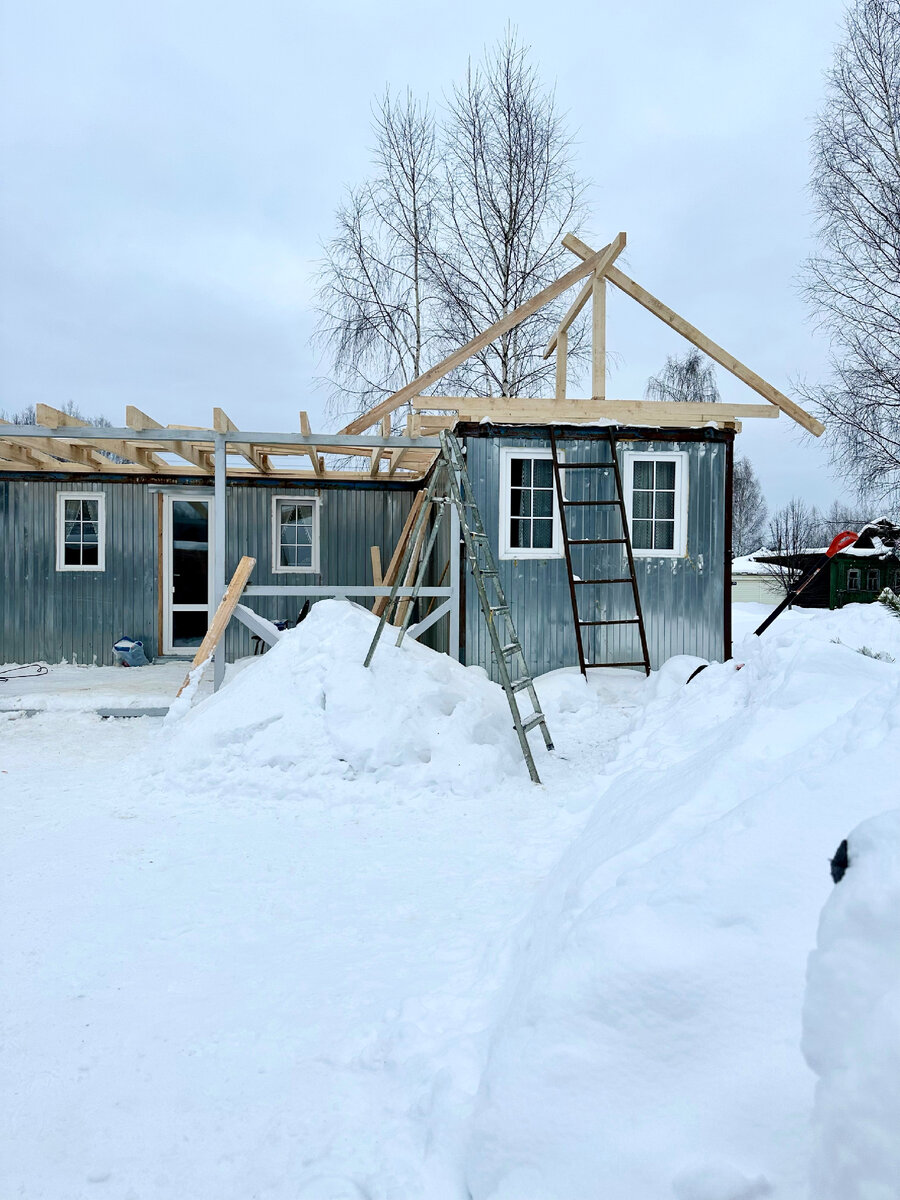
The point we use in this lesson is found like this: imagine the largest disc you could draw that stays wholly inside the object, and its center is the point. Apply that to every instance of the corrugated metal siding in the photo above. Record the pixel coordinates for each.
(77, 616)
(682, 598)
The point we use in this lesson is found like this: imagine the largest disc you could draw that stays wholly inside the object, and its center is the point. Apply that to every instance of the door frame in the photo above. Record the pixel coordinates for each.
(166, 584)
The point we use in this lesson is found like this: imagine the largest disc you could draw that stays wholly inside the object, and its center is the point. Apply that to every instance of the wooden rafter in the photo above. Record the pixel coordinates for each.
(517, 409)
(599, 262)
(222, 423)
(698, 339)
(318, 463)
(566, 323)
(201, 459)
(54, 418)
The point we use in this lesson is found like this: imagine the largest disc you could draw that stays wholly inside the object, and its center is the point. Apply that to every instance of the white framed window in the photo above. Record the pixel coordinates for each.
(873, 579)
(853, 579)
(80, 531)
(656, 497)
(529, 513)
(295, 534)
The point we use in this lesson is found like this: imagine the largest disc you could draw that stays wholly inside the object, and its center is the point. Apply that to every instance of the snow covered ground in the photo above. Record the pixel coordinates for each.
(320, 938)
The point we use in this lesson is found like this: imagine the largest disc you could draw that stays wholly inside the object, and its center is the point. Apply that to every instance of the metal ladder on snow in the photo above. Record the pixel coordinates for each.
(624, 540)
(507, 648)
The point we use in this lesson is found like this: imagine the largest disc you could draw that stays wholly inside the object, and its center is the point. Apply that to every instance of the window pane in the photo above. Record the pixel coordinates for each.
(90, 532)
(288, 555)
(873, 581)
(665, 475)
(90, 555)
(543, 504)
(665, 505)
(72, 555)
(520, 503)
(542, 536)
(643, 474)
(520, 472)
(519, 534)
(89, 510)
(642, 535)
(664, 535)
(73, 531)
(543, 473)
(643, 504)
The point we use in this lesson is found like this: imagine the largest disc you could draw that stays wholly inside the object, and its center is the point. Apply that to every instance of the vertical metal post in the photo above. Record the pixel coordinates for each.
(453, 647)
(219, 551)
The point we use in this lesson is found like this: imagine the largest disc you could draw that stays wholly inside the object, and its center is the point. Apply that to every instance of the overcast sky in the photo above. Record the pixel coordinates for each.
(170, 171)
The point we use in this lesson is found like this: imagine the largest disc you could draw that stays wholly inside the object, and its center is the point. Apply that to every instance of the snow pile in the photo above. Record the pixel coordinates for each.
(851, 1023)
(309, 710)
(649, 1040)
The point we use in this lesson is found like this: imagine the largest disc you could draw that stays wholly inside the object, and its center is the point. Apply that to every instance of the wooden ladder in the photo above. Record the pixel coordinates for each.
(625, 540)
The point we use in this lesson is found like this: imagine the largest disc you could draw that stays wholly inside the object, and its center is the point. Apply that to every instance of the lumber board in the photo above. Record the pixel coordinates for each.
(411, 571)
(598, 338)
(565, 324)
(222, 616)
(318, 464)
(222, 423)
(375, 553)
(562, 354)
(54, 418)
(201, 459)
(671, 318)
(639, 412)
(394, 565)
(597, 262)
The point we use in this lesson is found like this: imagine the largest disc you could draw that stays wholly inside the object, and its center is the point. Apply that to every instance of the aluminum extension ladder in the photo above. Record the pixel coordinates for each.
(450, 470)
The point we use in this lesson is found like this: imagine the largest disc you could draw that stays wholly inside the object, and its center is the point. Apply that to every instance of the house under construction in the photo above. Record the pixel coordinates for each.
(610, 520)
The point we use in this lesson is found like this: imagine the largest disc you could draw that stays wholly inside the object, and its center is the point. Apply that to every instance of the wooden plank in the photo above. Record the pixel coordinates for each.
(144, 456)
(412, 569)
(598, 338)
(562, 352)
(396, 558)
(222, 616)
(597, 262)
(375, 552)
(263, 628)
(565, 324)
(701, 341)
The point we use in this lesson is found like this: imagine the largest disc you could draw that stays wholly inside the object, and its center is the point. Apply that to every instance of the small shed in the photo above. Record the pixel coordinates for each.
(752, 581)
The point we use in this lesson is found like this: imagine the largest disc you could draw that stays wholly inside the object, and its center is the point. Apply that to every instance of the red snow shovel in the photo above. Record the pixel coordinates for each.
(841, 542)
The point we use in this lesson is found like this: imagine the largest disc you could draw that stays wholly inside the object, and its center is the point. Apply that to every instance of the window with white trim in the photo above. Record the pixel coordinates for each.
(853, 579)
(656, 503)
(873, 580)
(529, 517)
(295, 534)
(80, 531)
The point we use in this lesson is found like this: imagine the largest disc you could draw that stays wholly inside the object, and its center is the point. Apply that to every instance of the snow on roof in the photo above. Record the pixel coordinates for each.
(747, 564)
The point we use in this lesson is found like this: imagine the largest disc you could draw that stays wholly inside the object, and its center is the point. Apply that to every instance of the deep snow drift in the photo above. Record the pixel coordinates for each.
(321, 937)
(851, 1023)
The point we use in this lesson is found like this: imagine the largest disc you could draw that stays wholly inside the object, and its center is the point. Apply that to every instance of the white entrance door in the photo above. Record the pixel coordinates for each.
(187, 573)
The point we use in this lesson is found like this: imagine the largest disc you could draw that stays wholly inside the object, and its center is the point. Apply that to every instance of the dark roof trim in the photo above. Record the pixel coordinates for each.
(486, 429)
(162, 482)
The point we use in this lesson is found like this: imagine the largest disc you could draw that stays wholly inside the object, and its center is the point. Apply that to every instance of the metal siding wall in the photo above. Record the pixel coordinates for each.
(78, 615)
(682, 599)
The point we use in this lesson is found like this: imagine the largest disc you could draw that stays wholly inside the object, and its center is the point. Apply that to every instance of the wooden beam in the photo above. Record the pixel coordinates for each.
(636, 412)
(374, 462)
(201, 459)
(701, 341)
(597, 262)
(562, 351)
(222, 423)
(397, 557)
(318, 464)
(598, 338)
(577, 305)
(32, 459)
(223, 614)
(375, 552)
(54, 418)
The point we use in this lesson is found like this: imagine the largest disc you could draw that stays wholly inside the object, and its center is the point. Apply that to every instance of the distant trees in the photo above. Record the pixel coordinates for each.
(749, 509)
(28, 415)
(459, 223)
(691, 377)
(794, 528)
(853, 283)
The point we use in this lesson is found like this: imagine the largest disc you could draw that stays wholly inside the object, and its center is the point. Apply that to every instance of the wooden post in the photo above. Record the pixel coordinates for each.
(397, 557)
(375, 552)
(219, 519)
(222, 616)
(598, 339)
(562, 349)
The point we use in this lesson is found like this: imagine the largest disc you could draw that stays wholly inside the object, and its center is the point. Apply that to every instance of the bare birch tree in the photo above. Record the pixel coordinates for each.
(794, 528)
(688, 378)
(376, 297)
(460, 223)
(853, 284)
(749, 509)
(509, 194)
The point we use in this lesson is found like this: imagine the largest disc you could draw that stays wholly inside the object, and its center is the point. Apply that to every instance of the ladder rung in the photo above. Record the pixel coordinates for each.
(487, 570)
(625, 621)
(596, 541)
(639, 663)
(511, 648)
(498, 608)
(535, 719)
(521, 684)
(585, 503)
(625, 580)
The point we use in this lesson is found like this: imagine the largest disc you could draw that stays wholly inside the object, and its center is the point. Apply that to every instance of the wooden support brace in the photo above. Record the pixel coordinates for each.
(222, 616)
(318, 463)
(222, 423)
(397, 557)
(201, 459)
(562, 350)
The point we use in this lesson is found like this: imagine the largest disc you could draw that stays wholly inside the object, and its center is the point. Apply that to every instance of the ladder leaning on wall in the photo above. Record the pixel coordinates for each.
(450, 485)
